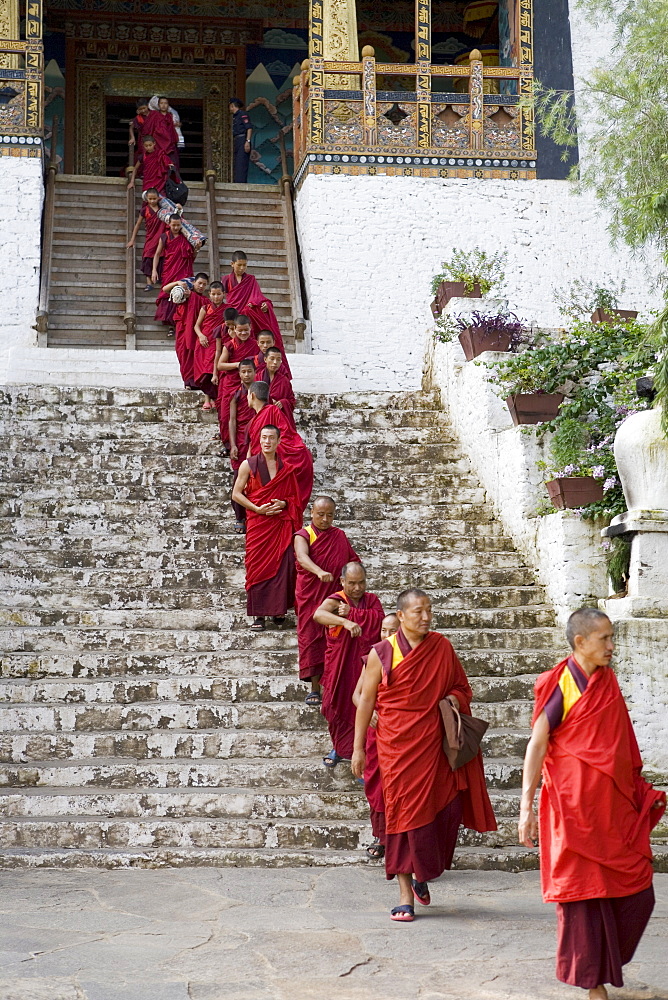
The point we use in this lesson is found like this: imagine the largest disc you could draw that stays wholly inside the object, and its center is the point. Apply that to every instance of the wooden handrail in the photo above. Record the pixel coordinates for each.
(42, 318)
(212, 222)
(296, 301)
(130, 317)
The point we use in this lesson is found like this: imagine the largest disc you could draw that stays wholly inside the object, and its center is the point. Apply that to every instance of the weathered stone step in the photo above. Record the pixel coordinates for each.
(26, 749)
(115, 637)
(238, 689)
(241, 802)
(96, 833)
(207, 714)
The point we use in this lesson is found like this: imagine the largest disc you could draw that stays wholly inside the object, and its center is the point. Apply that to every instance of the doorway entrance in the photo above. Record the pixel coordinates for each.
(119, 112)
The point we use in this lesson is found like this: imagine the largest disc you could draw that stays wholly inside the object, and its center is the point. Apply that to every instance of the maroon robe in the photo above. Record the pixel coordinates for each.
(280, 390)
(246, 297)
(154, 170)
(261, 367)
(161, 127)
(184, 341)
(244, 416)
(179, 258)
(270, 565)
(373, 786)
(343, 666)
(329, 549)
(139, 128)
(154, 228)
(290, 446)
(230, 381)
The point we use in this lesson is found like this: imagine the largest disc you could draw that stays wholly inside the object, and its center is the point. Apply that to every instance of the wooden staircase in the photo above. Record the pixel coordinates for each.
(87, 265)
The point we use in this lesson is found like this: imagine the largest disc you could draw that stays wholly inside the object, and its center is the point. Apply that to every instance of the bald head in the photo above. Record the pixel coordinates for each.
(407, 597)
(583, 622)
(323, 510)
(353, 579)
(414, 613)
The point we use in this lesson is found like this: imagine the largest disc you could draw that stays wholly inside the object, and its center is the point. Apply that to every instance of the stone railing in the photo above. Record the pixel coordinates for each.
(21, 97)
(483, 126)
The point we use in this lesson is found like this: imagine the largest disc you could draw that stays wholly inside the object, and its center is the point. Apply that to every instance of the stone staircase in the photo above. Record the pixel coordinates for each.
(141, 723)
(87, 289)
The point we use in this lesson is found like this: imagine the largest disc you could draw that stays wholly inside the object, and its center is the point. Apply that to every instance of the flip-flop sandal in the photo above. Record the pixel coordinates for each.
(258, 625)
(404, 914)
(421, 891)
(376, 850)
(313, 698)
(332, 759)
(240, 527)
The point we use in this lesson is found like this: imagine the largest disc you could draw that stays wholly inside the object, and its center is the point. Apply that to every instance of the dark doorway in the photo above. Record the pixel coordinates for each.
(119, 113)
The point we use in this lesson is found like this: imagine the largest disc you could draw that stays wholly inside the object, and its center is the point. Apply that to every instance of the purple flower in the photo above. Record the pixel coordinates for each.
(610, 483)
(598, 471)
(568, 470)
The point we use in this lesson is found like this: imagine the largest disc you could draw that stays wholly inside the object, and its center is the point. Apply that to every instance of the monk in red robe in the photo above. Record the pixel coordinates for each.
(154, 228)
(352, 618)
(178, 262)
(321, 551)
(292, 448)
(160, 125)
(280, 387)
(265, 340)
(207, 345)
(185, 318)
(152, 165)
(228, 359)
(596, 811)
(243, 292)
(373, 785)
(267, 488)
(425, 799)
(240, 417)
(138, 127)
(230, 323)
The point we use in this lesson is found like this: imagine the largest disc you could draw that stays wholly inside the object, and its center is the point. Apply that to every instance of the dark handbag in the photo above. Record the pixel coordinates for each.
(176, 191)
(463, 734)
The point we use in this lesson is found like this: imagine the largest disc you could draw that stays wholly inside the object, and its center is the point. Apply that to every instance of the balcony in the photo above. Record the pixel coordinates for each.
(482, 127)
(21, 85)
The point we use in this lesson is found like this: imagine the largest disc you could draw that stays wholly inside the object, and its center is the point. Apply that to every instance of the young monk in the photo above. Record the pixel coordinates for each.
(267, 488)
(265, 340)
(179, 257)
(352, 618)
(185, 318)
(138, 127)
(280, 387)
(154, 228)
(373, 786)
(320, 550)
(240, 416)
(292, 448)
(228, 359)
(230, 323)
(243, 292)
(152, 165)
(207, 346)
(161, 125)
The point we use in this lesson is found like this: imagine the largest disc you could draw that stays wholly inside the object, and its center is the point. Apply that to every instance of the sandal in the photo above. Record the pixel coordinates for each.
(258, 625)
(278, 620)
(421, 891)
(332, 758)
(404, 913)
(240, 527)
(376, 850)
(313, 698)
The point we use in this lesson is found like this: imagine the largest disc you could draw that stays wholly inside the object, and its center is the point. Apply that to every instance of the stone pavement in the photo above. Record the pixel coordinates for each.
(288, 934)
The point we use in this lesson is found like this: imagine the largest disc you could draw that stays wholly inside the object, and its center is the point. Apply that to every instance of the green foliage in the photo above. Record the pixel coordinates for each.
(446, 329)
(568, 443)
(618, 559)
(555, 115)
(473, 267)
(582, 298)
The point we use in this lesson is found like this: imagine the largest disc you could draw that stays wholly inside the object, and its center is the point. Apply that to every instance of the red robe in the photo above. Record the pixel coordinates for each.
(280, 389)
(291, 447)
(261, 367)
(343, 666)
(244, 416)
(178, 260)
(139, 128)
(154, 170)
(330, 550)
(154, 227)
(246, 297)
(184, 341)
(418, 782)
(269, 561)
(161, 127)
(230, 381)
(595, 809)
(203, 357)
(373, 786)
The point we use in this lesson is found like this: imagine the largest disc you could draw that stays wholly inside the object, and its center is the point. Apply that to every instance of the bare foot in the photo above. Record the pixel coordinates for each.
(600, 993)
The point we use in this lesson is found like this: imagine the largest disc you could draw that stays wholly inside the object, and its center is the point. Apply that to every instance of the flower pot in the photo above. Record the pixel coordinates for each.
(455, 290)
(533, 407)
(574, 491)
(641, 454)
(612, 315)
(476, 341)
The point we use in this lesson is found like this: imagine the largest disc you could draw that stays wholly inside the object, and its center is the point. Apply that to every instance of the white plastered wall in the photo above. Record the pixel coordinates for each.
(20, 240)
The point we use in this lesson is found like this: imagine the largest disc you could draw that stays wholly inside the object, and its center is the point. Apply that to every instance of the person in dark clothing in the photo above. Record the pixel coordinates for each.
(242, 131)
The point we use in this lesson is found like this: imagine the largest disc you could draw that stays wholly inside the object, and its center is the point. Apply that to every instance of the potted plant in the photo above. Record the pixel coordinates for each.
(575, 476)
(495, 332)
(531, 382)
(466, 274)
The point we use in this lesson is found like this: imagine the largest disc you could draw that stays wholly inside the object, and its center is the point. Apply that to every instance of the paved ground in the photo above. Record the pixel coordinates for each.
(292, 934)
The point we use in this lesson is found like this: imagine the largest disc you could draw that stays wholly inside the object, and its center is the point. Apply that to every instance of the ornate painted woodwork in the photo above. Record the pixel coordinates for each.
(21, 81)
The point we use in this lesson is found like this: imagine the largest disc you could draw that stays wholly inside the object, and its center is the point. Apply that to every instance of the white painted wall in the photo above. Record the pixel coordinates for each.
(371, 244)
(565, 550)
(20, 222)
